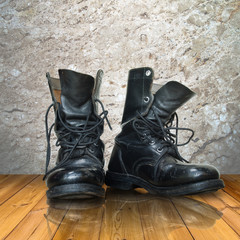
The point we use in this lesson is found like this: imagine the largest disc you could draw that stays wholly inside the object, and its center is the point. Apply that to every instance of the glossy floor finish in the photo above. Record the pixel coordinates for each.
(123, 215)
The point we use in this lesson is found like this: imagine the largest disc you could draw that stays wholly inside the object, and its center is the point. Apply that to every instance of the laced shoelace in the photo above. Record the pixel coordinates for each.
(88, 134)
(146, 128)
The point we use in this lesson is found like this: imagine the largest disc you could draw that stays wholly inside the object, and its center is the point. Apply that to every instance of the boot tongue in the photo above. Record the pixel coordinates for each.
(168, 99)
(76, 96)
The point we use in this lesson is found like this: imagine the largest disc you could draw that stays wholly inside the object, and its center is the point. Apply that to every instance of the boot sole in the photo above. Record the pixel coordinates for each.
(128, 182)
(75, 191)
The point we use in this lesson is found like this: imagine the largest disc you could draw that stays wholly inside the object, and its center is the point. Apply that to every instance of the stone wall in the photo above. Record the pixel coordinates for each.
(194, 42)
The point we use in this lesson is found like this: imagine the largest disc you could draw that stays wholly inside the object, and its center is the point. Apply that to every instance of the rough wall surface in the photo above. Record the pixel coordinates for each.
(194, 42)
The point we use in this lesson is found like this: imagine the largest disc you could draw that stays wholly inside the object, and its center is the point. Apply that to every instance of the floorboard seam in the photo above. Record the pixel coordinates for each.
(230, 226)
(101, 221)
(140, 218)
(61, 222)
(23, 218)
(230, 195)
(19, 190)
(231, 209)
(182, 219)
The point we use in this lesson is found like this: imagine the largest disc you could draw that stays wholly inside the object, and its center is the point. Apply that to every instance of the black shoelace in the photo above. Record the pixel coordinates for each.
(88, 134)
(149, 129)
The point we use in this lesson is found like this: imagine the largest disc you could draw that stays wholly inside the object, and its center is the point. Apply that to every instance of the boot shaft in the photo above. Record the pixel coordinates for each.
(76, 95)
(139, 96)
(141, 100)
(55, 86)
(78, 128)
(79, 165)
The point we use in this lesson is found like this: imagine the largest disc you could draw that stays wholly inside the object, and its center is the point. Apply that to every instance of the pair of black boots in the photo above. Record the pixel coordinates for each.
(145, 154)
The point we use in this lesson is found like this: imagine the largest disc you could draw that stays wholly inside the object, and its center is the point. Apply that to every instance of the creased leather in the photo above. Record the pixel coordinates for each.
(168, 99)
(132, 156)
(76, 96)
(77, 104)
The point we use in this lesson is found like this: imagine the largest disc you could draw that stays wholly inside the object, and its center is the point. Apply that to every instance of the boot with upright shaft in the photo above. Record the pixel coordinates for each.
(79, 169)
(145, 154)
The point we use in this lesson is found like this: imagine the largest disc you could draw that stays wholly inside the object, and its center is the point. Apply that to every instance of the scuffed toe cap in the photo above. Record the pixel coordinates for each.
(72, 176)
(190, 173)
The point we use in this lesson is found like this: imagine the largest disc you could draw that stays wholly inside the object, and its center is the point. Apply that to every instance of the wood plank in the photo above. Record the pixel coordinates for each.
(221, 200)
(227, 206)
(232, 187)
(121, 219)
(29, 224)
(49, 224)
(3, 177)
(82, 220)
(38, 223)
(12, 184)
(212, 223)
(126, 214)
(18, 206)
(160, 220)
(232, 177)
(232, 218)
(231, 191)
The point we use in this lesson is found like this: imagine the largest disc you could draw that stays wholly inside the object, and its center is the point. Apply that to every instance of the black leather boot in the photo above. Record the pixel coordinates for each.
(79, 169)
(145, 153)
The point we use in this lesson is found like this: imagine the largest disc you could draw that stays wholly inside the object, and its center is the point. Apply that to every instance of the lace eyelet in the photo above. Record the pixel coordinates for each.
(148, 73)
(159, 150)
(146, 99)
(152, 142)
(91, 150)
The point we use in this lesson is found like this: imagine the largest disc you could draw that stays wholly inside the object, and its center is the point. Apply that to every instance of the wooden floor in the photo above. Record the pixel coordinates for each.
(123, 215)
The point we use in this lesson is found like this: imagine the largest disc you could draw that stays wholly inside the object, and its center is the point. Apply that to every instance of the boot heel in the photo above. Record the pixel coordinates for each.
(118, 181)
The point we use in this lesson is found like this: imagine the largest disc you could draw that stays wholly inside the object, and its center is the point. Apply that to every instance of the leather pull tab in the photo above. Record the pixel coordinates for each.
(98, 82)
(55, 88)
(97, 86)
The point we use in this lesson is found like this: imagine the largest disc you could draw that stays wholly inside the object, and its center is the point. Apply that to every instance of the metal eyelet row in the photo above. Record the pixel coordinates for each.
(146, 99)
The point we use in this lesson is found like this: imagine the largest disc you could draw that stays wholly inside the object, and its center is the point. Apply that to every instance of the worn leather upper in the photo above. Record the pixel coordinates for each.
(168, 99)
(77, 111)
(76, 96)
(151, 158)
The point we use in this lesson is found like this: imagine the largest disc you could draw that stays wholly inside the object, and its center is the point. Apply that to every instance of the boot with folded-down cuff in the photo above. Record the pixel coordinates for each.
(145, 154)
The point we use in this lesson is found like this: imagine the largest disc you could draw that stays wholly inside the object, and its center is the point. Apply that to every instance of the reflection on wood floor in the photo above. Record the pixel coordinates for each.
(122, 215)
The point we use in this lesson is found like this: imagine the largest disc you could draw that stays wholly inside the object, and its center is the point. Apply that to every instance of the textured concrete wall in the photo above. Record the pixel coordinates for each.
(194, 42)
